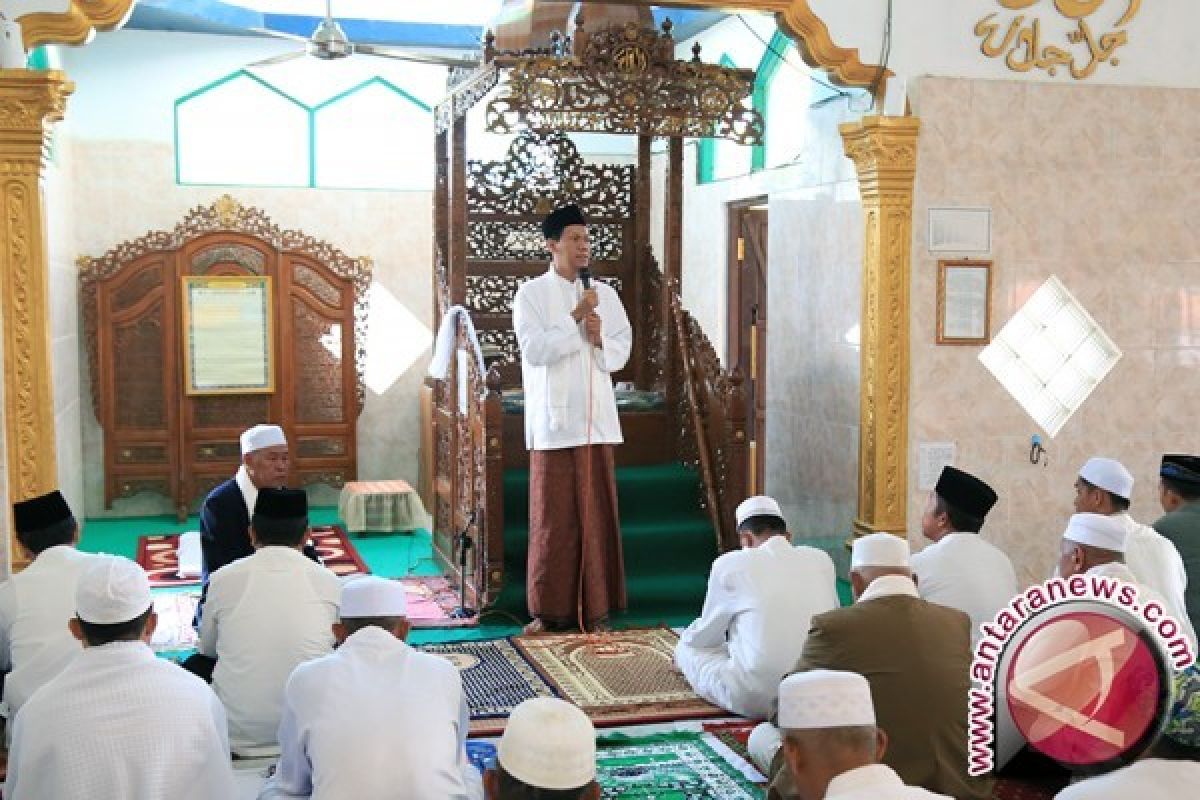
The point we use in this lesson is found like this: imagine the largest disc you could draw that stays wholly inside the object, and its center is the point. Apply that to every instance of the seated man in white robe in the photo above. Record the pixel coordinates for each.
(375, 718)
(37, 602)
(1104, 486)
(266, 614)
(961, 570)
(548, 750)
(831, 742)
(119, 722)
(756, 613)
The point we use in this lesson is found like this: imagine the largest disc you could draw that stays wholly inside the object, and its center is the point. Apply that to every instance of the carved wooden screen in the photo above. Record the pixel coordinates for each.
(157, 437)
(506, 202)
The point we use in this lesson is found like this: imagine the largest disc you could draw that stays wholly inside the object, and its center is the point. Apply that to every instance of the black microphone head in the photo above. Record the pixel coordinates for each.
(585, 275)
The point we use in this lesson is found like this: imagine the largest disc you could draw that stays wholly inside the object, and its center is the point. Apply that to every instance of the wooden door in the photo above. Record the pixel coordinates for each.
(747, 327)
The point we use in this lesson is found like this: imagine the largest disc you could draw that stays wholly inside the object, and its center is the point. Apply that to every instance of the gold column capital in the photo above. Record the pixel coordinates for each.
(30, 102)
(77, 24)
(884, 152)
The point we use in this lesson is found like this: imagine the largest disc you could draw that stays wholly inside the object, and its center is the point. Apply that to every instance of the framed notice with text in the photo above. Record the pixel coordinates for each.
(964, 302)
(228, 335)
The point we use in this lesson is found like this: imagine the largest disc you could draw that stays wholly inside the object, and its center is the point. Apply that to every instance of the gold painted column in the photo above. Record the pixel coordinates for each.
(884, 151)
(29, 103)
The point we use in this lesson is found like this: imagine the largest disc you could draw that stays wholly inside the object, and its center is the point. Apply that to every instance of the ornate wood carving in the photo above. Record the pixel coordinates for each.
(76, 24)
(29, 103)
(132, 323)
(884, 151)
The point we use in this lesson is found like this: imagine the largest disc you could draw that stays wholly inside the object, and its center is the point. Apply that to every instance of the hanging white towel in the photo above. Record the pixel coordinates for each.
(443, 347)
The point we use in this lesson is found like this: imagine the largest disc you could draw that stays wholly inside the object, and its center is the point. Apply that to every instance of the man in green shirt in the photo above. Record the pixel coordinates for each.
(1179, 493)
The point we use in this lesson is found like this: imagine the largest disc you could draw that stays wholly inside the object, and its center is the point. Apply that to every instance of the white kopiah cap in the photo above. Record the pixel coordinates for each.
(757, 506)
(111, 590)
(879, 550)
(261, 436)
(371, 596)
(1097, 530)
(1108, 474)
(825, 698)
(549, 744)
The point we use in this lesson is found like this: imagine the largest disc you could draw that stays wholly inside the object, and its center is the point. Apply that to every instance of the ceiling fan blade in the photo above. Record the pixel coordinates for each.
(420, 58)
(279, 35)
(266, 62)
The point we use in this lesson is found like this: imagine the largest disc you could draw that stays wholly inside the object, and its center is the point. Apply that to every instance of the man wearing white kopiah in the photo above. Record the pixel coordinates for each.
(548, 750)
(756, 613)
(1104, 486)
(411, 703)
(117, 721)
(960, 569)
(831, 743)
(1094, 544)
(573, 339)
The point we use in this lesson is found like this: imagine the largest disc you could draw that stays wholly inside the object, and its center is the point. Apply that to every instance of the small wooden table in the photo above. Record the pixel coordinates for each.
(381, 507)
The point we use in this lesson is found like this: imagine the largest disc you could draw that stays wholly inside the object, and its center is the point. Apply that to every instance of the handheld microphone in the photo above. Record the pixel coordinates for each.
(585, 275)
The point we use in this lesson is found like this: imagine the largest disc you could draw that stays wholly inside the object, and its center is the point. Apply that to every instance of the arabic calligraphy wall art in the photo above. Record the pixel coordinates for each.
(1029, 34)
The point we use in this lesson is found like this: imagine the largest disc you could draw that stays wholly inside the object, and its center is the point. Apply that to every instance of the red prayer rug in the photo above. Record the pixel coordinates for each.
(431, 601)
(159, 556)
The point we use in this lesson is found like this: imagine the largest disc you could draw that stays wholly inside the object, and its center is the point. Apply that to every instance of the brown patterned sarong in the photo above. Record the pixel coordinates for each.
(557, 495)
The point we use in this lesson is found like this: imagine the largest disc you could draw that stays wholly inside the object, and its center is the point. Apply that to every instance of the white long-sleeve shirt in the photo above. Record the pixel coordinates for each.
(265, 614)
(1149, 779)
(557, 361)
(876, 782)
(963, 571)
(1155, 561)
(374, 719)
(118, 722)
(35, 605)
(756, 616)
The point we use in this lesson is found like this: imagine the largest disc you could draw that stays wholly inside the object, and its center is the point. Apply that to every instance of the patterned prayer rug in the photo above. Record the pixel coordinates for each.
(431, 601)
(734, 735)
(618, 678)
(159, 556)
(673, 766)
(496, 678)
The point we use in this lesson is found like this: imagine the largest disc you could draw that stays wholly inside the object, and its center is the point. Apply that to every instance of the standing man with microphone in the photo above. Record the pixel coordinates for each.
(573, 336)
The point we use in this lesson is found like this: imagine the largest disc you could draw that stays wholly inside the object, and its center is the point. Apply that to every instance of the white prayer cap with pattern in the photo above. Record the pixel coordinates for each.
(372, 596)
(879, 550)
(261, 436)
(825, 698)
(757, 506)
(1108, 474)
(1097, 530)
(548, 744)
(111, 590)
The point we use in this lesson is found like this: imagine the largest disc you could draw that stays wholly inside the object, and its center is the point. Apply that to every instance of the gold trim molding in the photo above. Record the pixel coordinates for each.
(884, 152)
(30, 102)
(797, 19)
(76, 25)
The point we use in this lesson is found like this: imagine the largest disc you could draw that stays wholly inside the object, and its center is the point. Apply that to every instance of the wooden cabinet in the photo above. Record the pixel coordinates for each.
(159, 438)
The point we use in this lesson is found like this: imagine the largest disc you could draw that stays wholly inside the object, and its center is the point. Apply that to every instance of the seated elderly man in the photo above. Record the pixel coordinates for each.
(756, 613)
(548, 750)
(916, 655)
(117, 721)
(411, 704)
(831, 744)
(266, 614)
(35, 603)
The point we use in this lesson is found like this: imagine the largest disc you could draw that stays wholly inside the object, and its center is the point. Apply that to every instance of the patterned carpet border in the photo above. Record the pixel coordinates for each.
(620, 678)
(496, 678)
(159, 556)
(674, 765)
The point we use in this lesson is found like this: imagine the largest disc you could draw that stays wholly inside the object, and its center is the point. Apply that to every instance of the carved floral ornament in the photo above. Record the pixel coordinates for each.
(1097, 28)
(75, 23)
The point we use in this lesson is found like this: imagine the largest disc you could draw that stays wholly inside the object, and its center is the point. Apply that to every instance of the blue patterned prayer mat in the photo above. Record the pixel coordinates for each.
(496, 678)
(481, 754)
(673, 766)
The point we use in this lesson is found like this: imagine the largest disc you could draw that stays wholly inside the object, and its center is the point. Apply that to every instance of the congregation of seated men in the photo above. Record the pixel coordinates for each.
(865, 701)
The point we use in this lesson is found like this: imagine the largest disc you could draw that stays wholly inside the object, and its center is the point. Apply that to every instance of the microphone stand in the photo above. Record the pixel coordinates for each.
(465, 543)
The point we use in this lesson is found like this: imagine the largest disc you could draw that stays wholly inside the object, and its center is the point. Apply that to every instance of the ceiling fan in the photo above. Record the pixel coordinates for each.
(329, 43)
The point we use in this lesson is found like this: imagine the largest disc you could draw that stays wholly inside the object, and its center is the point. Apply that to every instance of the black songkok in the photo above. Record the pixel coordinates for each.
(558, 220)
(965, 492)
(1185, 469)
(281, 504)
(40, 512)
